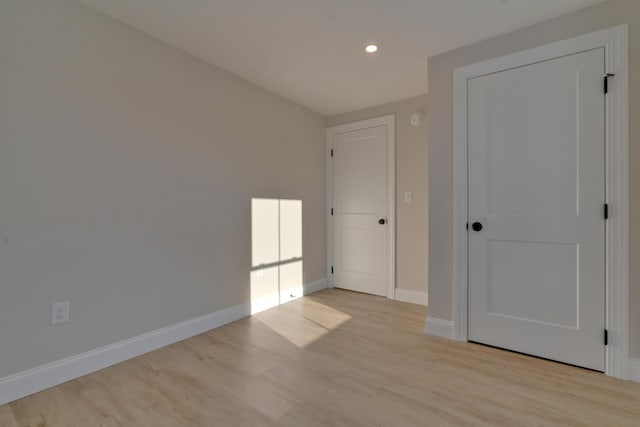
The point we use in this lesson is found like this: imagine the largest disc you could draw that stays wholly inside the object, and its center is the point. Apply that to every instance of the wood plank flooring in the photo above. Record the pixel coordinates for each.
(333, 358)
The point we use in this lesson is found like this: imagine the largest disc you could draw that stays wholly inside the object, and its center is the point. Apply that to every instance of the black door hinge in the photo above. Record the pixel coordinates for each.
(467, 226)
(606, 82)
(332, 269)
(606, 337)
(332, 152)
(331, 211)
(606, 211)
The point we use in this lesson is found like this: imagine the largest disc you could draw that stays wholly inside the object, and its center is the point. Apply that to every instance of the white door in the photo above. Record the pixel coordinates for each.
(537, 188)
(360, 217)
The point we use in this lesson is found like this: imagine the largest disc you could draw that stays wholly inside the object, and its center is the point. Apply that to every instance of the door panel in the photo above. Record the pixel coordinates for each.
(537, 185)
(517, 288)
(360, 201)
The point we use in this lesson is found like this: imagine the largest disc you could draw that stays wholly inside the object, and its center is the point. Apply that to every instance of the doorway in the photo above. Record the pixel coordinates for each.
(540, 202)
(361, 195)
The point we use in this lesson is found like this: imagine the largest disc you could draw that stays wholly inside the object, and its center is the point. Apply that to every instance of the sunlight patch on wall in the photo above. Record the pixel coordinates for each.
(276, 252)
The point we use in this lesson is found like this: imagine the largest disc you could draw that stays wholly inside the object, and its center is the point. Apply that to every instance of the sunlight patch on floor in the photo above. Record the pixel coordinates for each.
(304, 323)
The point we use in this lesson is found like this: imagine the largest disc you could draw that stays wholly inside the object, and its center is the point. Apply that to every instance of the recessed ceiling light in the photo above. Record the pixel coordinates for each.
(371, 48)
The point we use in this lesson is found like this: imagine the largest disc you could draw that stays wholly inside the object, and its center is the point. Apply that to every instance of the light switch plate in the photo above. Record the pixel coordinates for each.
(408, 197)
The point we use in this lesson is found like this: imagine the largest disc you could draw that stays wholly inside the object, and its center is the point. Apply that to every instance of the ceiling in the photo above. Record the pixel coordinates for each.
(312, 51)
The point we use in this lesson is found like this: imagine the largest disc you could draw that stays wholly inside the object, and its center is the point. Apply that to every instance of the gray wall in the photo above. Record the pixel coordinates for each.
(411, 175)
(127, 170)
(440, 118)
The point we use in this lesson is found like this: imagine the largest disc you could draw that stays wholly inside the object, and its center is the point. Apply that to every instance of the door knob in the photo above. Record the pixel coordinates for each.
(382, 221)
(476, 226)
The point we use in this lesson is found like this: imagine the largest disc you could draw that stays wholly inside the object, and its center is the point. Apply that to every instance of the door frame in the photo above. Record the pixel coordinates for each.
(615, 42)
(389, 122)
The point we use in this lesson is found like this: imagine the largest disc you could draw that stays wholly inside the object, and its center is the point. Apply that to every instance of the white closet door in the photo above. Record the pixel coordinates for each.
(537, 188)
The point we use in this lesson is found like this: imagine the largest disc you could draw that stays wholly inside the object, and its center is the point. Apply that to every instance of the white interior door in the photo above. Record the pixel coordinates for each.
(361, 220)
(537, 187)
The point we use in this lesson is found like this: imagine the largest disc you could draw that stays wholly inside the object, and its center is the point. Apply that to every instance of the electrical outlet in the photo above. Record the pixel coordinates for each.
(59, 312)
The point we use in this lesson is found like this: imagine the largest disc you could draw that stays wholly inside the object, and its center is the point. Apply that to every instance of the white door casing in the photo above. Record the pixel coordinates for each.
(614, 43)
(361, 251)
(536, 184)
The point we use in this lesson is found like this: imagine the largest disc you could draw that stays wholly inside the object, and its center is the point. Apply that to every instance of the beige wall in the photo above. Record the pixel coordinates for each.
(127, 170)
(440, 119)
(411, 175)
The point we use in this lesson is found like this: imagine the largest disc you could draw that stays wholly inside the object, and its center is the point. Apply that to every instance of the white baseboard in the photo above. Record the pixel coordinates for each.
(43, 377)
(315, 286)
(269, 301)
(439, 327)
(264, 303)
(413, 297)
(634, 370)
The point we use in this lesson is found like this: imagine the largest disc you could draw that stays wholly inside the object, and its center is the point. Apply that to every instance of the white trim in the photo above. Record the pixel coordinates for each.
(285, 295)
(329, 183)
(42, 377)
(439, 327)
(389, 121)
(258, 305)
(617, 147)
(37, 379)
(634, 370)
(413, 297)
(615, 42)
(315, 286)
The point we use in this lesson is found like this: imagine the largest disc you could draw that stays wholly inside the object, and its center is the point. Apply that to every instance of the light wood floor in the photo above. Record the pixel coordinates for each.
(334, 358)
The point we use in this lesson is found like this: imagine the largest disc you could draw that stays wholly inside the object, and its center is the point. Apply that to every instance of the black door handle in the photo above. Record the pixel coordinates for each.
(382, 221)
(476, 226)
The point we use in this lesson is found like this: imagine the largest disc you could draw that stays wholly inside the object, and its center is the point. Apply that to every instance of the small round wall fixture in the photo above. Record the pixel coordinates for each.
(416, 118)
(371, 48)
